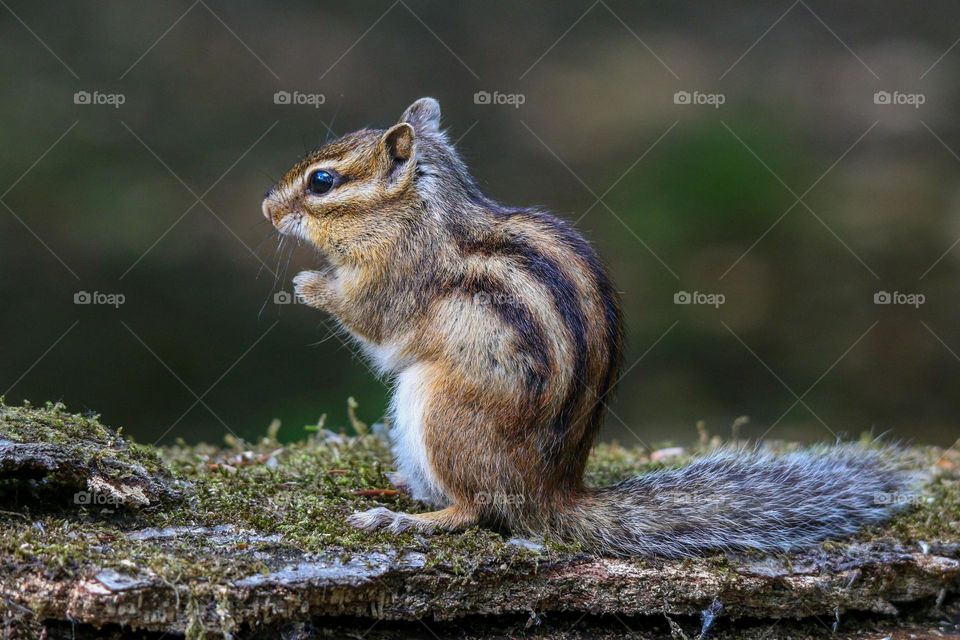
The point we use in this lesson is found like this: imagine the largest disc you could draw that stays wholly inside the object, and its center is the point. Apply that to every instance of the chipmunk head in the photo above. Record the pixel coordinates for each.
(349, 194)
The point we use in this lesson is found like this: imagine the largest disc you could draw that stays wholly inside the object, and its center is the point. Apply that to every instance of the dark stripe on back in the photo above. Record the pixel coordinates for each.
(613, 319)
(492, 293)
(566, 299)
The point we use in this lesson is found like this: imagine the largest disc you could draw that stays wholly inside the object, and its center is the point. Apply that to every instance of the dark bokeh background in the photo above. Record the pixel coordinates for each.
(677, 197)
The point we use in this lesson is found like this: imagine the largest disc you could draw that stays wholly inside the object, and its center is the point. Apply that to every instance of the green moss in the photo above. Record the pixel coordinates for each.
(50, 423)
(610, 463)
(294, 497)
(935, 513)
(299, 493)
(83, 436)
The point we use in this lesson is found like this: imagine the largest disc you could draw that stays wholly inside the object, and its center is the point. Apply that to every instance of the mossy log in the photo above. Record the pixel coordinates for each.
(250, 537)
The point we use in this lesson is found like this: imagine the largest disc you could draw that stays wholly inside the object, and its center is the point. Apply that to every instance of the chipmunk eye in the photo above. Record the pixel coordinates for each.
(320, 182)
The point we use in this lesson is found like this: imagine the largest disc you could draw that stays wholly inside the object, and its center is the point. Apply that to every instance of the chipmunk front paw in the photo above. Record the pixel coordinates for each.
(313, 288)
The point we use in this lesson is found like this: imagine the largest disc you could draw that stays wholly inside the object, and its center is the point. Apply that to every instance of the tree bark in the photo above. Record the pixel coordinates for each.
(120, 578)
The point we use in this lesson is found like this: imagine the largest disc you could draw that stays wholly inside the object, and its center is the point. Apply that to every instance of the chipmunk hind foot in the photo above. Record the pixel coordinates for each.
(380, 518)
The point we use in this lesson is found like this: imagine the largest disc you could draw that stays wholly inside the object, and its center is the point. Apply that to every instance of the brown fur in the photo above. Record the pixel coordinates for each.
(507, 312)
(503, 335)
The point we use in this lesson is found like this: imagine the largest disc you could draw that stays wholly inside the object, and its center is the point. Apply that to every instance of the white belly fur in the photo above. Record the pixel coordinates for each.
(406, 433)
(384, 358)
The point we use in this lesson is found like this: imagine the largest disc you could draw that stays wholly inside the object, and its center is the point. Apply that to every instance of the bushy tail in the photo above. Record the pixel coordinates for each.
(738, 499)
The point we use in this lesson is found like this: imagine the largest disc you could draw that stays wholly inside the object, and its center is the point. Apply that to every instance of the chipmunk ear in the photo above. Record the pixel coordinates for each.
(398, 142)
(423, 115)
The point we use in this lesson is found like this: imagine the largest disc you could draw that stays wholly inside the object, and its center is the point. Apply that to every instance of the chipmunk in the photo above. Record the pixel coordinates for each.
(502, 333)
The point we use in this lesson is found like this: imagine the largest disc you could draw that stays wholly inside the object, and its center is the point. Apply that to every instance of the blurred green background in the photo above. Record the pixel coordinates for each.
(799, 199)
